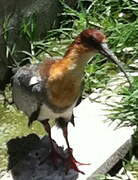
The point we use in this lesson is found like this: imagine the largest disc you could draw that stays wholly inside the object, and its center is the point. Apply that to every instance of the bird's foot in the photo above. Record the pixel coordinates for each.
(72, 163)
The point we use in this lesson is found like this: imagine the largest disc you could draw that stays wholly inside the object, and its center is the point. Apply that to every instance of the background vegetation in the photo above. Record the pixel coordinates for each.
(119, 21)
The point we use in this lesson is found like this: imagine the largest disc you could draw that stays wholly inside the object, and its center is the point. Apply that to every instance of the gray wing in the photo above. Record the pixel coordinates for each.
(27, 87)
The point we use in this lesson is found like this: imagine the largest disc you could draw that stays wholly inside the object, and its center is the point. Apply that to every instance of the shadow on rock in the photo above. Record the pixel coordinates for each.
(26, 155)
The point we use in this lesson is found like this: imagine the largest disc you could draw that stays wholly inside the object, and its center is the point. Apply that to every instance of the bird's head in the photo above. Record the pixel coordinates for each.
(91, 38)
(95, 41)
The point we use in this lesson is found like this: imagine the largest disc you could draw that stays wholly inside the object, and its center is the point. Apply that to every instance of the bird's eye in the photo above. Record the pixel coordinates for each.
(90, 41)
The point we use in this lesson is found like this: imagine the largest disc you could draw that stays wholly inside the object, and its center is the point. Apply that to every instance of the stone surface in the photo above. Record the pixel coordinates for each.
(93, 140)
(29, 158)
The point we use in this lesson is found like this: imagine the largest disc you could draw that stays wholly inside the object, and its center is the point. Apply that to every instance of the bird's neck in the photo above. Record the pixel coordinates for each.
(73, 62)
(65, 77)
(76, 58)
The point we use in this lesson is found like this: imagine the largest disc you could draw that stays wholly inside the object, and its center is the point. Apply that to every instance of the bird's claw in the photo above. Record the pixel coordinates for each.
(72, 163)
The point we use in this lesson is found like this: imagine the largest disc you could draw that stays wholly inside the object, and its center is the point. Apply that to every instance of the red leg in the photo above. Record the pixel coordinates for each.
(54, 154)
(72, 161)
(48, 130)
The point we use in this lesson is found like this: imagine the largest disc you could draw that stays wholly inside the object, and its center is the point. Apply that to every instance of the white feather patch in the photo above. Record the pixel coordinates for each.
(34, 80)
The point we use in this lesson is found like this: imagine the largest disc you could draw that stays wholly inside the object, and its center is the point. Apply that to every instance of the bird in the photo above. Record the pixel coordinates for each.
(52, 88)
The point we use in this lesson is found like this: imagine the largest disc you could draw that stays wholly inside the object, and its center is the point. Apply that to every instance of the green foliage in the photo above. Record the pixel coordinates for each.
(117, 18)
(5, 27)
(127, 110)
(119, 21)
(28, 28)
(10, 48)
(97, 74)
(114, 17)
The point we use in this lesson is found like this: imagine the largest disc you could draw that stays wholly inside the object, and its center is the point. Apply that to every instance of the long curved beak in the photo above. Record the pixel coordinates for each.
(110, 55)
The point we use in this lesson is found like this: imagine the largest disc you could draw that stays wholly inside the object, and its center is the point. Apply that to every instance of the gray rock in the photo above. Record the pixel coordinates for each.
(29, 158)
(12, 15)
(44, 13)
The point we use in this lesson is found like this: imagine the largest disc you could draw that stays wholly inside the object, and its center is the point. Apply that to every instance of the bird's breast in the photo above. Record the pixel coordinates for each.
(48, 113)
(63, 93)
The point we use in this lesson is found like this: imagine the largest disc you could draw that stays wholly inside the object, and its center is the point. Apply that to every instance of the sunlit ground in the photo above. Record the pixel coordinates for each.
(13, 123)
